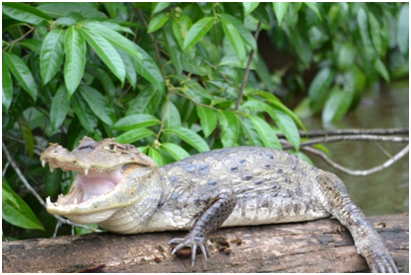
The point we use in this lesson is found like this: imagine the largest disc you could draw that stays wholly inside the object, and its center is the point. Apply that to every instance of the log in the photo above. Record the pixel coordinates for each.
(315, 246)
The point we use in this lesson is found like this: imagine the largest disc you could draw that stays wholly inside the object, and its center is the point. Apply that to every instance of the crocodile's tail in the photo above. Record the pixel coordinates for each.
(335, 198)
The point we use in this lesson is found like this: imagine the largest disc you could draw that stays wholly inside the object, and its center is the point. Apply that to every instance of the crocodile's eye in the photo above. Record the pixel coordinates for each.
(111, 147)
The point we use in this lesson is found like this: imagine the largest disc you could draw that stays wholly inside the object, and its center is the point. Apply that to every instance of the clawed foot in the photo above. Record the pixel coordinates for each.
(193, 243)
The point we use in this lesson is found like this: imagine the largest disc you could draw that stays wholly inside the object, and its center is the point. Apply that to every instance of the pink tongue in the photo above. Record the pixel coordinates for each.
(96, 187)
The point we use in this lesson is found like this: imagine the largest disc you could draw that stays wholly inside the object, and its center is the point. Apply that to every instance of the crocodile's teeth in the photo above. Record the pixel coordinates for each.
(60, 196)
(48, 201)
(43, 163)
(75, 200)
(86, 171)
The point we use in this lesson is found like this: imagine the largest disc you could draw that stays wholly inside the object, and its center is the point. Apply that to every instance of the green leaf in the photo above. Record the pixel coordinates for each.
(287, 127)
(7, 85)
(280, 9)
(156, 156)
(75, 48)
(16, 211)
(81, 10)
(26, 134)
(189, 137)
(337, 105)
(98, 104)
(346, 56)
(375, 32)
(208, 119)
(230, 128)
(131, 73)
(106, 52)
(157, 22)
(148, 69)
(86, 117)
(313, 6)
(136, 121)
(173, 49)
(403, 29)
(114, 38)
(250, 134)
(266, 133)
(245, 34)
(249, 7)
(31, 44)
(176, 151)
(272, 99)
(197, 31)
(134, 135)
(51, 55)
(59, 108)
(147, 101)
(365, 36)
(317, 93)
(381, 69)
(234, 38)
(22, 73)
(159, 6)
(180, 27)
(25, 13)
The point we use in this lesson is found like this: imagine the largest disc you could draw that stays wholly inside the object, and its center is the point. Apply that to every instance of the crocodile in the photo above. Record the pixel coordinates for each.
(125, 192)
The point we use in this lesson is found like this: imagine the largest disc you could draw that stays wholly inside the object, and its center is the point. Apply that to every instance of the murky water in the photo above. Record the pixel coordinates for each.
(387, 191)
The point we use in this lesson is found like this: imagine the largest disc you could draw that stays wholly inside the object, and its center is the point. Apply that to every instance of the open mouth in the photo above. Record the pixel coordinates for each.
(89, 182)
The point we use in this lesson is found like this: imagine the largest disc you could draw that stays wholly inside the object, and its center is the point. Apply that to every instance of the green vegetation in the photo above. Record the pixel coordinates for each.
(171, 78)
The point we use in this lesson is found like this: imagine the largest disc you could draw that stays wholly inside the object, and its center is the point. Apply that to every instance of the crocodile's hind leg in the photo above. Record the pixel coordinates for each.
(334, 196)
(220, 206)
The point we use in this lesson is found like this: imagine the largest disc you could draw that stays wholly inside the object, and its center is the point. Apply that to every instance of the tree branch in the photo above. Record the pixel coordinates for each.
(329, 139)
(380, 132)
(337, 166)
(247, 70)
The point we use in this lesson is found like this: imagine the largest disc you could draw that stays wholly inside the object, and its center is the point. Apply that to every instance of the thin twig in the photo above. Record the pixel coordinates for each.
(328, 139)
(35, 194)
(380, 132)
(247, 70)
(19, 39)
(373, 170)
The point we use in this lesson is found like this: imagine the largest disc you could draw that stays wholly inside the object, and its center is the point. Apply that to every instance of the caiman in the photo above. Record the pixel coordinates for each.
(124, 191)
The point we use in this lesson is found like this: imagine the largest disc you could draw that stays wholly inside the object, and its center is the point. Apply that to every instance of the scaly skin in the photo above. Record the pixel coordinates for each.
(125, 192)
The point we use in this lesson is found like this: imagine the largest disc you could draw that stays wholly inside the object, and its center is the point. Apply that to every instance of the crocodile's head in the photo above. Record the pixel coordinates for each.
(109, 176)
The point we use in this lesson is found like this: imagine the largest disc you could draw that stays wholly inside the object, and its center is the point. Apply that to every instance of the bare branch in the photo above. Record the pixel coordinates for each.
(386, 164)
(328, 139)
(247, 70)
(35, 194)
(380, 132)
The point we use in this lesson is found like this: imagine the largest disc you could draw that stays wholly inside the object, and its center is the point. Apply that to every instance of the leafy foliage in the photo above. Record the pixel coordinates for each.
(166, 76)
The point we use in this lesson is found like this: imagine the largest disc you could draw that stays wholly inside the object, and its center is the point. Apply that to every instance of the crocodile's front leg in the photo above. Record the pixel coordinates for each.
(337, 202)
(220, 206)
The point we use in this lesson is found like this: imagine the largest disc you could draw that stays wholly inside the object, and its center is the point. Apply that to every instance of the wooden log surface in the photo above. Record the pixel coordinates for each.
(315, 246)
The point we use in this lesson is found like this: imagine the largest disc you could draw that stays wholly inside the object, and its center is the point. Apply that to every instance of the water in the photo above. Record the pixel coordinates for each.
(387, 191)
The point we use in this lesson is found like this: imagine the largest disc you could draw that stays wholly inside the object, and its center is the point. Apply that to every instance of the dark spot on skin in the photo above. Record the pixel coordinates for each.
(258, 181)
(173, 178)
(280, 171)
(157, 260)
(204, 169)
(270, 156)
(275, 194)
(163, 178)
(275, 186)
(190, 167)
(247, 177)
(234, 169)
(267, 165)
(174, 196)
(212, 182)
(241, 161)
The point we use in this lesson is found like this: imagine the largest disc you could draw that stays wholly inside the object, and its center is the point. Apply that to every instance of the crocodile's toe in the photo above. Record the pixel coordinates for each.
(193, 242)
